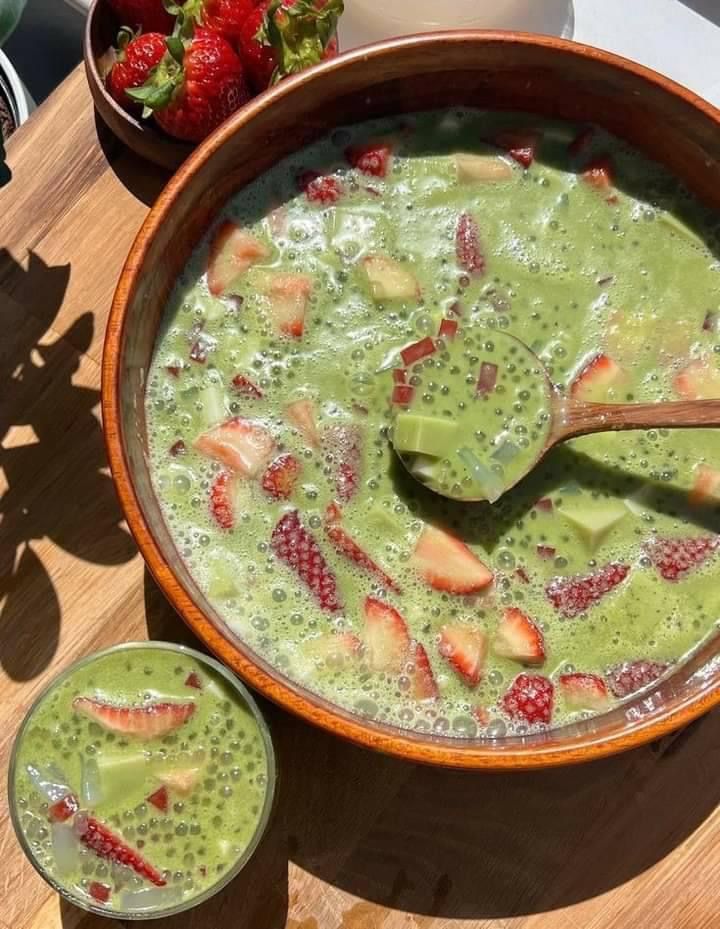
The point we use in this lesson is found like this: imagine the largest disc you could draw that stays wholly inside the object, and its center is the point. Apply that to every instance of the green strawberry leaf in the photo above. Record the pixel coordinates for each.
(299, 34)
(176, 48)
(166, 78)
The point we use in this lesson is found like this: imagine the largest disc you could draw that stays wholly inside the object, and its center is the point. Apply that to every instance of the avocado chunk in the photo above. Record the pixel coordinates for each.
(593, 519)
(423, 435)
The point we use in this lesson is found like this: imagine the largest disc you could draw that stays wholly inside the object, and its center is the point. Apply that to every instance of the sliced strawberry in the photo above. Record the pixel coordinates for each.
(301, 414)
(386, 636)
(99, 892)
(296, 547)
(342, 445)
(698, 380)
(520, 145)
(240, 444)
(106, 844)
(399, 376)
(465, 649)
(374, 159)
(447, 564)
(518, 637)
(600, 174)
(584, 691)
(334, 648)
(581, 141)
(63, 809)
(403, 394)
(281, 477)
(467, 245)
(160, 799)
(630, 676)
(706, 486)
(575, 595)
(423, 685)
(593, 381)
(320, 188)
(182, 781)
(676, 558)
(222, 500)
(347, 546)
(232, 251)
(289, 295)
(417, 351)
(530, 699)
(244, 386)
(448, 329)
(545, 551)
(148, 721)
(193, 680)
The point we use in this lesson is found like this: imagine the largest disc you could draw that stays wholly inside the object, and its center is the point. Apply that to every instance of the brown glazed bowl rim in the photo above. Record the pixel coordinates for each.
(517, 753)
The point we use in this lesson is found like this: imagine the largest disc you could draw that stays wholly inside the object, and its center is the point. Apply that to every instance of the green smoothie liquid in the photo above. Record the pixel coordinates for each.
(188, 802)
(318, 312)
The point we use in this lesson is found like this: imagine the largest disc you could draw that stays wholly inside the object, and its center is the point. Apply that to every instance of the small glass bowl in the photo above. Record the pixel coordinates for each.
(224, 880)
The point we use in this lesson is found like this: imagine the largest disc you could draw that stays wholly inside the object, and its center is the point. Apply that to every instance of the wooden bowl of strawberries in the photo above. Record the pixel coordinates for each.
(164, 75)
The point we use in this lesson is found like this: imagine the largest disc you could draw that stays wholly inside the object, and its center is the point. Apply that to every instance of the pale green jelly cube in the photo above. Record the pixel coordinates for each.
(424, 435)
(223, 578)
(593, 519)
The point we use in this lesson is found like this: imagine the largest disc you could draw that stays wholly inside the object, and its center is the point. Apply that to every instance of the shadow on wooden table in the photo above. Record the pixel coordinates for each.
(52, 456)
(459, 844)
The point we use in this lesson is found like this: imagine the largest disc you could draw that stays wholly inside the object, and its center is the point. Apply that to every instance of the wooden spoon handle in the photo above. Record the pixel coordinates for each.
(574, 419)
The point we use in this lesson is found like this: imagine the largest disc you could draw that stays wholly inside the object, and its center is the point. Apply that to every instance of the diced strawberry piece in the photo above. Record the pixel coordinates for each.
(181, 781)
(240, 444)
(99, 892)
(530, 699)
(106, 844)
(347, 546)
(63, 809)
(417, 351)
(160, 799)
(600, 373)
(423, 685)
(334, 648)
(374, 158)
(520, 145)
(448, 329)
(518, 637)
(581, 141)
(447, 564)
(222, 500)
(342, 445)
(699, 380)
(575, 595)
(706, 486)
(522, 574)
(465, 649)
(467, 245)
(147, 721)
(320, 188)
(584, 691)
(193, 680)
(386, 636)
(627, 678)
(599, 174)
(403, 395)
(487, 379)
(711, 323)
(301, 414)
(544, 504)
(545, 551)
(173, 370)
(399, 376)
(232, 251)
(179, 448)
(289, 295)
(481, 715)
(676, 558)
(243, 385)
(296, 547)
(200, 349)
(281, 477)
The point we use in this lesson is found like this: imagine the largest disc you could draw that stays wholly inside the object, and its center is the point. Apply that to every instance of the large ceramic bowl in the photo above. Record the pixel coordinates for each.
(502, 70)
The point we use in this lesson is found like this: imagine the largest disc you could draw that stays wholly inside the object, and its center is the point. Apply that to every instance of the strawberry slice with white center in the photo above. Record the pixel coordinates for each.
(465, 649)
(374, 158)
(240, 444)
(232, 251)
(342, 445)
(423, 685)
(289, 295)
(344, 543)
(447, 564)
(595, 378)
(530, 699)
(100, 839)
(296, 547)
(386, 636)
(145, 721)
(301, 414)
(517, 637)
(572, 596)
(521, 145)
(222, 500)
(627, 678)
(281, 477)
(334, 648)
(706, 486)
(676, 558)
(698, 380)
(584, 691)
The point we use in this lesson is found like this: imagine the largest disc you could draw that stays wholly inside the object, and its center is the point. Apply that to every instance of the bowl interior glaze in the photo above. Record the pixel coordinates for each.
(548, 76)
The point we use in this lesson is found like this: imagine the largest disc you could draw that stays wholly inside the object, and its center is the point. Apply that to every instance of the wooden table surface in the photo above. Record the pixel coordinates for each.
(359, 841)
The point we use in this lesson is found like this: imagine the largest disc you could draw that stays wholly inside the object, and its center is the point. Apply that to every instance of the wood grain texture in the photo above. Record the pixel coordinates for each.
(572, 419)
(359, 840)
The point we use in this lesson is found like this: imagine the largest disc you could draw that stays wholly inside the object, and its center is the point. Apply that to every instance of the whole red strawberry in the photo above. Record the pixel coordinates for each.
(224, 17)
(196, 86)
(282, 37)
(136, 57)
(147, 15)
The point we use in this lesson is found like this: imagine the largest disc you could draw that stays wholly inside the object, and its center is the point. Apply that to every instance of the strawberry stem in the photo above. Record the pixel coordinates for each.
(300, 34)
